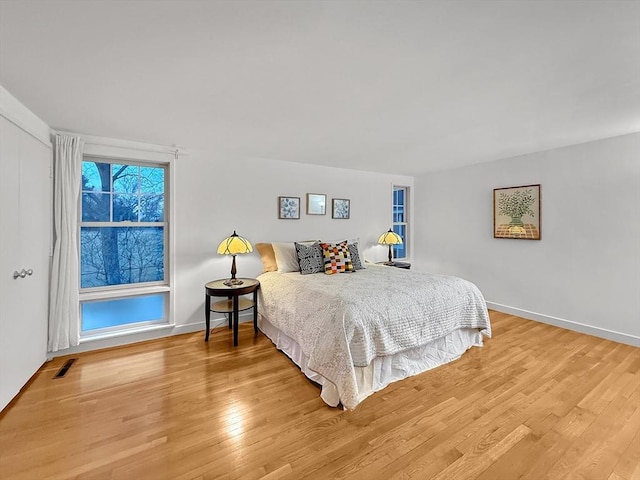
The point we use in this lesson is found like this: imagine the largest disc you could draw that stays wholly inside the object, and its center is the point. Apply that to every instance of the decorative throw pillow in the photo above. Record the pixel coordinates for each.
(351, 241)
(336, 258)
(309, 258)
(268, 257)
(355, 256)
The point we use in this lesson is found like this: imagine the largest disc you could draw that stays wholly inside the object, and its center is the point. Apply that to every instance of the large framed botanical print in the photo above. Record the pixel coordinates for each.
(516, 212)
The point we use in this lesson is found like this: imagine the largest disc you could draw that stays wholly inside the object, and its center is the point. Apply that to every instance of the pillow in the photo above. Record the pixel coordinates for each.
(268, 257)
(309, 258)
(355, 256)
(336, 258)
(360, 256)
(286, 257)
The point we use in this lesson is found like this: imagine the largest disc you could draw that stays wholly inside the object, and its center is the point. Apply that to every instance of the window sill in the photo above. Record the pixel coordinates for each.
(86, 338)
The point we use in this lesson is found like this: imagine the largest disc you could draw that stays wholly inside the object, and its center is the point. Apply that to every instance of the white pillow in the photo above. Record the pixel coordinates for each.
(286, 257)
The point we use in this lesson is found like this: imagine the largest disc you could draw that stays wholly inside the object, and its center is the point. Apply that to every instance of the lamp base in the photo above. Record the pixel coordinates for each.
(233, 281)
(391, 264)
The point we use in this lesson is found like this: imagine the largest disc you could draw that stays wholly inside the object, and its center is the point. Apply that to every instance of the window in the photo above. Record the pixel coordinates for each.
(400, 220)
(123, 240)
(102, 315)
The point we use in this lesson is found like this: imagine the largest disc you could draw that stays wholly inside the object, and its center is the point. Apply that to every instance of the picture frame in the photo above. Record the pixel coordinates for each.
(517, 212)
(289, 208)
(316, 204)
(340, 208)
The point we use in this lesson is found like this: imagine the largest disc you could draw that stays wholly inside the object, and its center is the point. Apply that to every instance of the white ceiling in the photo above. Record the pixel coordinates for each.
(394, 86)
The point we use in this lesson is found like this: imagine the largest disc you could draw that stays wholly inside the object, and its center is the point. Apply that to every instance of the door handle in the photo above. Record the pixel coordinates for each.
(22, 273)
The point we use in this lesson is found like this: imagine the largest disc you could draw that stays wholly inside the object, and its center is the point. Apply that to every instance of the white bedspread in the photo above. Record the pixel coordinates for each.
(345, 320)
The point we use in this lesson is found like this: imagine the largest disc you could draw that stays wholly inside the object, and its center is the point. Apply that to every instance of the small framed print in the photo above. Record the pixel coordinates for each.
(289, 208)
(316, 204)
(516, 212)
(340, 208)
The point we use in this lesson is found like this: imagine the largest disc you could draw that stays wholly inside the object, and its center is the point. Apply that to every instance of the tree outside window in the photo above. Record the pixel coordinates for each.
(122, 234)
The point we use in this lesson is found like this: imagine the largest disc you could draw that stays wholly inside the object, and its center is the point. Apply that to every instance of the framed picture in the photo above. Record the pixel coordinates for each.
(516, 212)
(316, 204)
(289, 208)
(340, 208)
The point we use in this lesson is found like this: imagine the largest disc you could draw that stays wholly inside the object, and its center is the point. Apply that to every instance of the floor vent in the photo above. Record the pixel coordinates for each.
(65, 368)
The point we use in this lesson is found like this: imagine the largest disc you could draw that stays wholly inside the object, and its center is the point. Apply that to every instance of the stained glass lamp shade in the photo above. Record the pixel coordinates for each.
(390, 238)
(234, 245)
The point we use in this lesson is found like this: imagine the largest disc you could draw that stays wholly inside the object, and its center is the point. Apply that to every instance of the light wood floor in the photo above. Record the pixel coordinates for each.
(537, 402)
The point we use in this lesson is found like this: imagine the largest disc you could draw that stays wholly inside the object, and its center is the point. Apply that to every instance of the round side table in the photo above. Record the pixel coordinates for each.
(232, 305)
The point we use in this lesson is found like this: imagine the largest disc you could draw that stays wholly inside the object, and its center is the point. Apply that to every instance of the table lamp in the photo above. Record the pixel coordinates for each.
(390, 238)
(234, 245)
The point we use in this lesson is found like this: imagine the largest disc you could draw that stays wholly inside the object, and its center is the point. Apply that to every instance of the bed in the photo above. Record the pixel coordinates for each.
(355, 333)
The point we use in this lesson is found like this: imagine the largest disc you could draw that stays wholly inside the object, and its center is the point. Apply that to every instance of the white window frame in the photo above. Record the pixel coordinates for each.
(134, 153)
(406, 206)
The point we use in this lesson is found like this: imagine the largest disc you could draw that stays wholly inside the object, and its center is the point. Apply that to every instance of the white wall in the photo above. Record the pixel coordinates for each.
(217, 193)
(584, 274)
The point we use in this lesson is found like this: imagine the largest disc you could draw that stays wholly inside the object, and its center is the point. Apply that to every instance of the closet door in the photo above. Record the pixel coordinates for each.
(25, 220)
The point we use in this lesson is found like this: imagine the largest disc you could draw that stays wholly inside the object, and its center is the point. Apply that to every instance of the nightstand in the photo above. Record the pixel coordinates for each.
(405, 265)
(233, 305)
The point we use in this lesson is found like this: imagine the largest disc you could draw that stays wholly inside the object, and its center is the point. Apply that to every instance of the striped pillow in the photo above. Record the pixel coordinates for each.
(355, 256)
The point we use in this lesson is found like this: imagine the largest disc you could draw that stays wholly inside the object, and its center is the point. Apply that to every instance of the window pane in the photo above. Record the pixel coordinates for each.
(96, 176)
(121, 255)
(151, 180)
(400, 251)
(125, 178)
(398, 213)
(122, 311)
(96, 207)
(125, 207)
(152, 208)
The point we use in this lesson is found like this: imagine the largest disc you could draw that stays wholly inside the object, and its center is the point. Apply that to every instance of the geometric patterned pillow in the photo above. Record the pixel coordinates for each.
(336, 258)
(309, 258)
(355, 256)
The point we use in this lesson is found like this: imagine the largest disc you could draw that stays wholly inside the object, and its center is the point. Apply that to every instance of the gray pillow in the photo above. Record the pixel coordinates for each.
(355, 256)
(310, 258)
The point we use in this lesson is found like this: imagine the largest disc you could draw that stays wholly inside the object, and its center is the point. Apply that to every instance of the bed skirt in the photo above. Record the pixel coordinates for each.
(382, 370)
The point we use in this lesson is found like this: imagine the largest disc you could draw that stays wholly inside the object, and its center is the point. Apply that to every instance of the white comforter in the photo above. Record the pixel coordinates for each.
(345, 320)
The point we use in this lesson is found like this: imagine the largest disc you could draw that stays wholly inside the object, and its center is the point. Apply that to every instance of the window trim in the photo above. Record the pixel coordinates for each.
(114, 150)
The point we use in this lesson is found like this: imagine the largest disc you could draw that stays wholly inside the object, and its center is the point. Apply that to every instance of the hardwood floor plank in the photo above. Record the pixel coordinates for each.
(471, 464)
(629, 462)
(536, 402)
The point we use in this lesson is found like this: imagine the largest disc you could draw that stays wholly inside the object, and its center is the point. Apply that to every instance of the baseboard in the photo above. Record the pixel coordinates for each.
(127, 338)
(568, 324)
(215, 323)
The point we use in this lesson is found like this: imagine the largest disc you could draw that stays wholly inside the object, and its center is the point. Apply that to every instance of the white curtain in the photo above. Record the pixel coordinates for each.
(64, 301)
